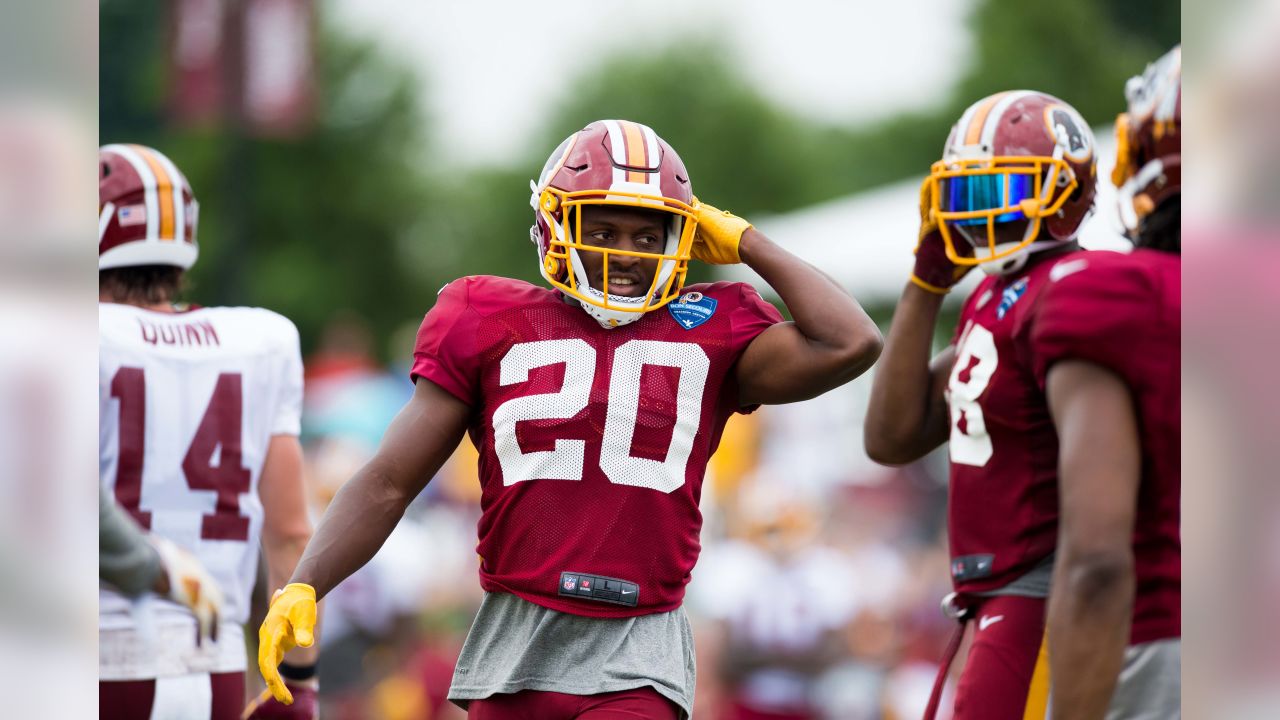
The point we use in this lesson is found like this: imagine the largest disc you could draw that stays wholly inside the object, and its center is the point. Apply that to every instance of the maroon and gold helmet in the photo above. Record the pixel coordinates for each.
(146, 211)
(1148, 167)
(1018, 169)
(612, 162)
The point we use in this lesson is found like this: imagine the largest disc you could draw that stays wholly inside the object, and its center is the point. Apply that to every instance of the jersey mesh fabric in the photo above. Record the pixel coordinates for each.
(593, 443)
(1124, 313)
(1118, 310)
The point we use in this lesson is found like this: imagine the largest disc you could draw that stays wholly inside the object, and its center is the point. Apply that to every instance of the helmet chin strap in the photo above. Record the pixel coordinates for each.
(1014, 262)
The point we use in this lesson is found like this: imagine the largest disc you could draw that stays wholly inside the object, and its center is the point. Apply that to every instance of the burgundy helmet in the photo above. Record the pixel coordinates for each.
(1018, 173)
(1148, 167)
(146, 211)
(611, 162)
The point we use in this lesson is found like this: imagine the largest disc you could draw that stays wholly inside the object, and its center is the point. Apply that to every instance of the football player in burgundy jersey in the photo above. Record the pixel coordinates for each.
(595, 405)
(1116, 403)
(199, 413)
(1046, 326)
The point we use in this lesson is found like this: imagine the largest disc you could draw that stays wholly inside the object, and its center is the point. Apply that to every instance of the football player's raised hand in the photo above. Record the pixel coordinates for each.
(718, 236)
(185, 581)
(290, 623)
(933, 270)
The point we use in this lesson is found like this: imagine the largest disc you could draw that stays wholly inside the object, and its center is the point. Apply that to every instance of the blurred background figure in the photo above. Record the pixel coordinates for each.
(367, 152)
(779, 599)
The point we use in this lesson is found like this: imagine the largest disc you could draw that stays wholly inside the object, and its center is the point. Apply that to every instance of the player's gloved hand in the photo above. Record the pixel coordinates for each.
(305, 704)
(719, 232)
(933, 271)
(290, 623)
(185, 581)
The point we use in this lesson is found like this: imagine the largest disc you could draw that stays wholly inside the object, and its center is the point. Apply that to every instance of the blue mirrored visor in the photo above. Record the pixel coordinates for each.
(985, 192)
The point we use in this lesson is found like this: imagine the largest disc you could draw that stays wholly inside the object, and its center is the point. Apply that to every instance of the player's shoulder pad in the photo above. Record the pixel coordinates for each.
(723, 290)
(1096, 292)
(487, 294)
(272, 325)
(1099, 272)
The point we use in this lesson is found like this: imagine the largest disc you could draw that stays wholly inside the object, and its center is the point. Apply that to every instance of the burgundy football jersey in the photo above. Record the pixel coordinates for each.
(1120, 311)
(593, 442)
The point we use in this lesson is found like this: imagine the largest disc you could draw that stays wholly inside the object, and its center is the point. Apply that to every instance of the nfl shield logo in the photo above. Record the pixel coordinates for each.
(570, 582)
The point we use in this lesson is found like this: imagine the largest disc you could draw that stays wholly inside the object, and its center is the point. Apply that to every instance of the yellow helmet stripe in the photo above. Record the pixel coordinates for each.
(164, 192)
(974, 131)
(633, 138)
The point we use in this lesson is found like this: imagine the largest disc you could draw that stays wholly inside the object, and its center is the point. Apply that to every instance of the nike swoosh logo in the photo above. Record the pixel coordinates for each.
(627, 592)
(987, 621)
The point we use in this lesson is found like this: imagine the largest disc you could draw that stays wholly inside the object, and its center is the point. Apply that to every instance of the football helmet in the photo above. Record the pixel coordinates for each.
(1148, 167)
(146, 211)
(612, 162)
(1017, 174)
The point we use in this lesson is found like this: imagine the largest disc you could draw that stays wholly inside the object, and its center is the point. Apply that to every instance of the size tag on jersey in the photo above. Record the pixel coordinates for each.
(594, 587)
(692, 309)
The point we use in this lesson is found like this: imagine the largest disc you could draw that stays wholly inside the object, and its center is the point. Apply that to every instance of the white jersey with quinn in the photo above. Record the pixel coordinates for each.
(187, 405)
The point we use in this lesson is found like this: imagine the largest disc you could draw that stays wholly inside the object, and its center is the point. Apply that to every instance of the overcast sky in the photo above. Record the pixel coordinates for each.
(493, 69)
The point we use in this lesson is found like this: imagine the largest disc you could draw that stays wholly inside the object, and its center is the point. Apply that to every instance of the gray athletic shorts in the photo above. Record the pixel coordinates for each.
(1150, 686)
(516, 645)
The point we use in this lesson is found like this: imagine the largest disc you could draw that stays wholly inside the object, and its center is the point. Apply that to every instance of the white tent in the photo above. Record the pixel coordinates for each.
(865, 240)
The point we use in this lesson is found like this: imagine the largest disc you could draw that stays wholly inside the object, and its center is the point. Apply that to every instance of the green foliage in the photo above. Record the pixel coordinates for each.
(1071, 50)
(328, 214)
(741, 150)
(129, 73)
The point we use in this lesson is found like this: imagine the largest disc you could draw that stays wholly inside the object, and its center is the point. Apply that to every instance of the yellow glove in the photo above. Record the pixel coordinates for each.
(290, 623)
(933, 271)
(928, 223)
(719, 232)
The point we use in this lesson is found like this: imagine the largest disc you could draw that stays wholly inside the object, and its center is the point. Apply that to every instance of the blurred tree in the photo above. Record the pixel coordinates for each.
(130, 72)
(1159, 22)
(331, 218)
(1073, 50)
(742, 151)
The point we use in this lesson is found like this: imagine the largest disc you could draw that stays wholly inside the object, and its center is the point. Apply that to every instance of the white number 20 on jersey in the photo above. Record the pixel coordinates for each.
(565, 461)
(976, 362)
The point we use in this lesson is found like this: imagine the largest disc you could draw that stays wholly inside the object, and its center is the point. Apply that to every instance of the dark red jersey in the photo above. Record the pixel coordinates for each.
(1119, 311)
(593, 442)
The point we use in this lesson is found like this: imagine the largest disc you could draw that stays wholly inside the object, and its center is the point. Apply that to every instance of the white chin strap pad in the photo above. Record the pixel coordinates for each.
(1014, 262)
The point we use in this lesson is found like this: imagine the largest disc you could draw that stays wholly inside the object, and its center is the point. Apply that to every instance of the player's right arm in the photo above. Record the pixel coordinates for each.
(363, 513)
(908, 415)
(360, 518)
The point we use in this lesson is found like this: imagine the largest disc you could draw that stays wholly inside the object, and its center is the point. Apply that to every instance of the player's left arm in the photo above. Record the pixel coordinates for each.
(1091, 603)
(831, 340)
